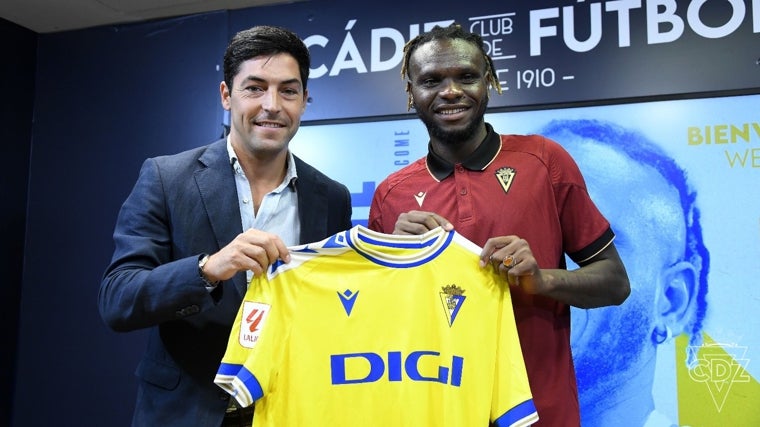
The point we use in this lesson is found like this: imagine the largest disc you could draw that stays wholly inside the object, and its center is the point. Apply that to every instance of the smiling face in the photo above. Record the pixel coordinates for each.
(449, 86)
(265, 102)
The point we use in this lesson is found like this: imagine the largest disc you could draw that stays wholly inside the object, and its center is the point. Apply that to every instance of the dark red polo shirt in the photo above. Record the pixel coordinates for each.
(527, 186)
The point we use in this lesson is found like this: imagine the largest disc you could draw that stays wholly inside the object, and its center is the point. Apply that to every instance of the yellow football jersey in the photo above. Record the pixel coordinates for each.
(370, 329)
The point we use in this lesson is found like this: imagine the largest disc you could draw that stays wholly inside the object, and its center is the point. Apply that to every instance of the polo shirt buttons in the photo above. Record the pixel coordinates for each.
(463, 191)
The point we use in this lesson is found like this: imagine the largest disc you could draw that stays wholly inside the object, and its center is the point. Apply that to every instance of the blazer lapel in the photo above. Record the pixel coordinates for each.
(312, 203)
(215, 173)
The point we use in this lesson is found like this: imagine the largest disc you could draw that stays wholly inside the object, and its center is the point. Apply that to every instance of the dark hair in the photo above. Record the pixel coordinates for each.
(643, 151)
(265, 40)
(452, 32)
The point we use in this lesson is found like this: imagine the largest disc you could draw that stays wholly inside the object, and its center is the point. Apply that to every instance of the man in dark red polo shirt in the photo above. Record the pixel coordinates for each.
(521, 198)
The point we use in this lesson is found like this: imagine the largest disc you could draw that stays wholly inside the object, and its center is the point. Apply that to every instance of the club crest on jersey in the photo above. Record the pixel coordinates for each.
(252, 322)
(452, 298)
(505, 176)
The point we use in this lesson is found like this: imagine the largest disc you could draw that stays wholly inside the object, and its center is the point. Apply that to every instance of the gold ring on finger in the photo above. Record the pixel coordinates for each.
(509, 261)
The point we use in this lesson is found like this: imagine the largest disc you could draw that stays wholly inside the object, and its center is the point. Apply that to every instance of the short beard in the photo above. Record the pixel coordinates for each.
(453, 137)
(615, 356)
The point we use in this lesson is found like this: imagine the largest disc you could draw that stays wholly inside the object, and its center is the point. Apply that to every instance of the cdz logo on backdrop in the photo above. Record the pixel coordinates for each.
(719, 367)
(665, 21)
(396, 366)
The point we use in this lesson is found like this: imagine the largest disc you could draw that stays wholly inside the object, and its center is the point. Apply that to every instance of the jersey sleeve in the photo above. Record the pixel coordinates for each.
(246, 366)
(585, 230)
(512, 402)
(511, 396)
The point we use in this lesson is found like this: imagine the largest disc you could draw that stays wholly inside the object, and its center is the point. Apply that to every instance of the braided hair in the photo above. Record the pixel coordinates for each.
(452, 32)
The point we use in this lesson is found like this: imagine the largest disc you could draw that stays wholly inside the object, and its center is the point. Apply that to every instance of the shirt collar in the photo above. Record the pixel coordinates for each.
(486, 152)
(290, 175)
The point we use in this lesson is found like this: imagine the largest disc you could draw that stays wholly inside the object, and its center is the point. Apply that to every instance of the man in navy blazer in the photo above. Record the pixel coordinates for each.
(199, 224)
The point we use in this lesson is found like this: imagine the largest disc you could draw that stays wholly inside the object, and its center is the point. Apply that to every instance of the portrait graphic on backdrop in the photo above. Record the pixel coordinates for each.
(653, 211)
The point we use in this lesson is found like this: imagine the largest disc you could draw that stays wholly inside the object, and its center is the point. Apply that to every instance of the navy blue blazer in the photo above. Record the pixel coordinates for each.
(181, 206)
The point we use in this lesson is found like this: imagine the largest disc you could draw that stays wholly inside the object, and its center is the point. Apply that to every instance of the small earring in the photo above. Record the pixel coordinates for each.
(660, 337)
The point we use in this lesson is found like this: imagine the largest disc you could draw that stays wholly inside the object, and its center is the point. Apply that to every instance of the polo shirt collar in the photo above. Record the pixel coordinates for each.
(478, 160)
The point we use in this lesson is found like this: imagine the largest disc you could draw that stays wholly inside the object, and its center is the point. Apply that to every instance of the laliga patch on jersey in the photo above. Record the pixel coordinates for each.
(254, 316)
(505, 176)
(452, 298)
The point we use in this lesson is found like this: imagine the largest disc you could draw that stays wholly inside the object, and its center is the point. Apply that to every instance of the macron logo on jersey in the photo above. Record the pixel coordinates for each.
(420, 197)
(348, 298)
(254, 316)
